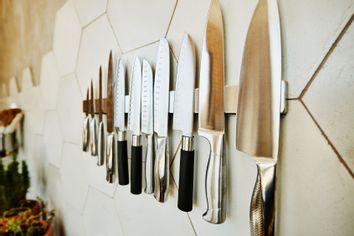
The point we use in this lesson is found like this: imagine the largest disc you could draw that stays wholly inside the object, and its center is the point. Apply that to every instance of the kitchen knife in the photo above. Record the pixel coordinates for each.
(111, 142)
(183, 114)
(119, 122)
(93, 127)
(161, 107)
(134, 124)
(101, 129)
(147, 125)
(258, 111)
(211, 113)
(86, 127)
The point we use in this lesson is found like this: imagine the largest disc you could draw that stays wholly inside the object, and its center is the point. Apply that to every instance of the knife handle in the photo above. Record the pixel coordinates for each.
(86, 134)
(186, 174)
(136, 166)
(123, 175)
(262, 214)
(149, 165)
(101, 146)
(215, 184)
(162, 169)
(110, 154)
(94, 137)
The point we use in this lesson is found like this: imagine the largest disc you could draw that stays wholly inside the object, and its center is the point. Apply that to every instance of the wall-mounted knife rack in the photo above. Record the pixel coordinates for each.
(230, 92)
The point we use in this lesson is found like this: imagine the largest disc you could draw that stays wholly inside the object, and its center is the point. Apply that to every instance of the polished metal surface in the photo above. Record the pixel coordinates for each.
(134, 118)
(211, 113)
(183, 108)
(86, 126)
(119, 96)
(110, 115)
(187, 143)
(147, 99)
(100, 98)
(162, 169)
(121, 135)
(101, 144)
(136, 140)
(94, 140)
(149, 164)
(110, 160)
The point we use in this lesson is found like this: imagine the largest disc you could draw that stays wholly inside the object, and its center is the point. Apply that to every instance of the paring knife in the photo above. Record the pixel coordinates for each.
(161, 107)
(211, 113)
(258, 111)
(119, 122)
(111, 142)
(147, 125)
(183, 121)
(86, 127)
(93, 127)
(134, 124)
(101, 128)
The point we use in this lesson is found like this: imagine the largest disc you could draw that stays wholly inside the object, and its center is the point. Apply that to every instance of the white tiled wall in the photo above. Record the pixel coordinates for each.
(315, 185)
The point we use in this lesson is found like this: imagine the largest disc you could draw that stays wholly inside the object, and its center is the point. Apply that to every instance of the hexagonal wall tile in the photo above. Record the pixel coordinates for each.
(97, 41)
(331, 95)
(49, 81)
(66, 41)
(88, 12)
(35, 114)
(74, 176)
(69, 109)
(72, 221)
(53, 187)
(137, 23)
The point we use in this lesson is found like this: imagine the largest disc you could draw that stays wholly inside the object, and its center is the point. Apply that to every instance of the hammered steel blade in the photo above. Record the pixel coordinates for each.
(211, 113)
(110, 125)
(119, 96)
(134, 118)
(258, 110)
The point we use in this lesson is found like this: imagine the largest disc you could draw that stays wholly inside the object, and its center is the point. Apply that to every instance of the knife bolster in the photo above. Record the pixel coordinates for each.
(136, 140)
(121, 135)
(187, 143)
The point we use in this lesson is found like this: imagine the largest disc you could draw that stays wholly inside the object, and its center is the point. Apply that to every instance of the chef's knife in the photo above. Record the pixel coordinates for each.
(111, 142)
(147, 125)
(258, 111)
(161, 107)
(211, 113)
(183, 113)
(93, 127)
(86, 128)
(134, 123)
(119, 122)
(101, 129)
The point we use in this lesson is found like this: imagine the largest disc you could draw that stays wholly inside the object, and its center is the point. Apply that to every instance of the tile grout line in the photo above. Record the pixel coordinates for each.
(328, 141)
(190, 221)
(327, 56)
(114, 32)
(170, 22)
(140, 47)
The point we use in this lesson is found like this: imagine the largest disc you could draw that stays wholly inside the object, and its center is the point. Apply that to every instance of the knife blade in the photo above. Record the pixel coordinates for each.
(257, 129)
(119, 122)
(147, 125)
(134, 123)
(211, 113)
(111, 142)
(86, 126)
(101, 128)
(183, 120)
(93, 127)
(161, 107)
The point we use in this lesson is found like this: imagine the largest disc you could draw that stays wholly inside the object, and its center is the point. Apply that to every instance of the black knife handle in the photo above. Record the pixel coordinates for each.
(123, 173)
(136, 170)
(185, 185)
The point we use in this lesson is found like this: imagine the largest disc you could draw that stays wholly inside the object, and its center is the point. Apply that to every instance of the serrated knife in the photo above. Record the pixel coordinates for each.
(258, 111)
(86, 126)
(94, 126)
(119, 122)
(101, 128)
(183, 114)
(134, 124)
(161, 108)
(147, 125)
(211, 113)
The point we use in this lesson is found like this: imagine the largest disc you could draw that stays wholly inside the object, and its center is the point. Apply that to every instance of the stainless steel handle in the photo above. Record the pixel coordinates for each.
(110, 154)
(101, 146)
(162, 169)
(93, 137)
(149, 164)
(215, 184)
(86, 134)
(262, 214)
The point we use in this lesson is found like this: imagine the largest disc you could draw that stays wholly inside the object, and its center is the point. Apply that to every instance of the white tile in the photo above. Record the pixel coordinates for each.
(97, 41)
(72, 221)
(100, 216)
(53, 187)
(69, 109)
(53, 141)
(49, 80)
(74, 176)
(138, 23)
(314, 189)
(330, 97)
(88, 11)
(35, 113)
(66, 41)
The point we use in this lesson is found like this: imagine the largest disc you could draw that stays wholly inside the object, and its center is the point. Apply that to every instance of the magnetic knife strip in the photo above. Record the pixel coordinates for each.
(230, 92)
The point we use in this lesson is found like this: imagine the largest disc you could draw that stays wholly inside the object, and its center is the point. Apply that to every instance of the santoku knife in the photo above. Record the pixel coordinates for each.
(183, 114)
(86, 127)
(211, 113)
(93, 127)
(101, 128)
(258, 111)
